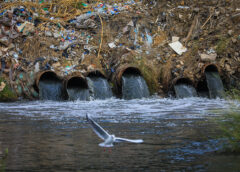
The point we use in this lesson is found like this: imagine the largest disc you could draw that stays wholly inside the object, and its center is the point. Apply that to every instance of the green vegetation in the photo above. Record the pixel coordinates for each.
(2, 161)
(7, 94)
(230, 129)
(222, 45)
(233, 94)
(230, 125)
(149, 74)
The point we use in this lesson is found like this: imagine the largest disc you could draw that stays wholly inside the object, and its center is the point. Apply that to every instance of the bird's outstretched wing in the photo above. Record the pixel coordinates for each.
(97, 128)
(119, 139)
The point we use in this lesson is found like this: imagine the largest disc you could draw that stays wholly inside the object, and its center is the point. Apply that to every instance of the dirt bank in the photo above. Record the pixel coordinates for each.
(42, 36)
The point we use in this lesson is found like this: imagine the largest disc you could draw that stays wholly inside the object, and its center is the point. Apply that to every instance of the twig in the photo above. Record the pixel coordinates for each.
(100, 46)
(194, 23)
(207, 19)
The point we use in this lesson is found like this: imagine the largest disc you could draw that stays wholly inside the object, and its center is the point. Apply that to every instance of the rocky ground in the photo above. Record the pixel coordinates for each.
(166, 40)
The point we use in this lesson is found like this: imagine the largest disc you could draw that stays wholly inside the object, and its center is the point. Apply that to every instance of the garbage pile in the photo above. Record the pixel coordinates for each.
(178, 37)
(36, 37)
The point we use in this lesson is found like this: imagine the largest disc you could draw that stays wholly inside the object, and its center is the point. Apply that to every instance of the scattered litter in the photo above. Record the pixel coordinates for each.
(178, 47)
(183, 7)
(112, 45)
(208, 57)
(26, 28)
(38, 36)
(175, 39)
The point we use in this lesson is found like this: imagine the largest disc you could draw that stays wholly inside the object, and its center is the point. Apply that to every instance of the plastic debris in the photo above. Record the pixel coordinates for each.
(39, 37)
(26, 28)
(178, 47)
(183, 7)
(112, 45)
(175, 38)
(208, 57)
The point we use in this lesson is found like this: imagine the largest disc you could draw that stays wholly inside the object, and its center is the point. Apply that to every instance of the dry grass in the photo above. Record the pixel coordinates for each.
(61, 10)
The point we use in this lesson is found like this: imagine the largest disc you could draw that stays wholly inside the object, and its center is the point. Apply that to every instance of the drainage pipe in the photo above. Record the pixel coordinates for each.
(43, 75)
(210, 67)
(52, 86)
(183, 87)
(95, 73)
(74, 84)
(211, 84)
(117, 77)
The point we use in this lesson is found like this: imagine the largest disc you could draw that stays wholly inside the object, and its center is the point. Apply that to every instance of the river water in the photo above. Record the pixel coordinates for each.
(179, 135)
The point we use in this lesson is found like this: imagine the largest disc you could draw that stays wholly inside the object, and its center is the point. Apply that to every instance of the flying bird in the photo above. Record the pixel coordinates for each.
(108, 139)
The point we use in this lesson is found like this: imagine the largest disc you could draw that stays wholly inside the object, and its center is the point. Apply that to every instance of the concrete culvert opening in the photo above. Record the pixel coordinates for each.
(48, 75)
(132, 71)
(77, 88)
(183, 87)
(133, 85)
(211, 68)
(184, 81)
(77, 82)
(50, 86)
(96, 73)
(202, 88)
(99, 87)
(214, 82)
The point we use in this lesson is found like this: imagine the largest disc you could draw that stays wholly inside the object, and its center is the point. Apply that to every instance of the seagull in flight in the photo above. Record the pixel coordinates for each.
(108, 139)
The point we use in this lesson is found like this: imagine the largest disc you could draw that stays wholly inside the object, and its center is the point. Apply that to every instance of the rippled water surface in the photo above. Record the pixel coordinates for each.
(179, 135)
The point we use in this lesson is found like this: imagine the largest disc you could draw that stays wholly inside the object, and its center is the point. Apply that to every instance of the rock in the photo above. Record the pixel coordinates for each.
(159, 58)
(178, 66)
(56, 65)
(181, 62)
(5, 41)
(217, 13)
(228, 67)
(222, 10)
(180, 16)
(234, 40)
(11, 53)
(176, 74)
(208, 57)
(130, 23)
(200, 65)
(230, 32)
(175, 38)
(91, 67)
(189, 44)
(236, 18)
(125, 29)
(56, 35)
(11, 46)
(196, 10)
(48, 33)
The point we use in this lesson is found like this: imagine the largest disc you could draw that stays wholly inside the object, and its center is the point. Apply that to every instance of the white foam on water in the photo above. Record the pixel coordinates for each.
(115, 110)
